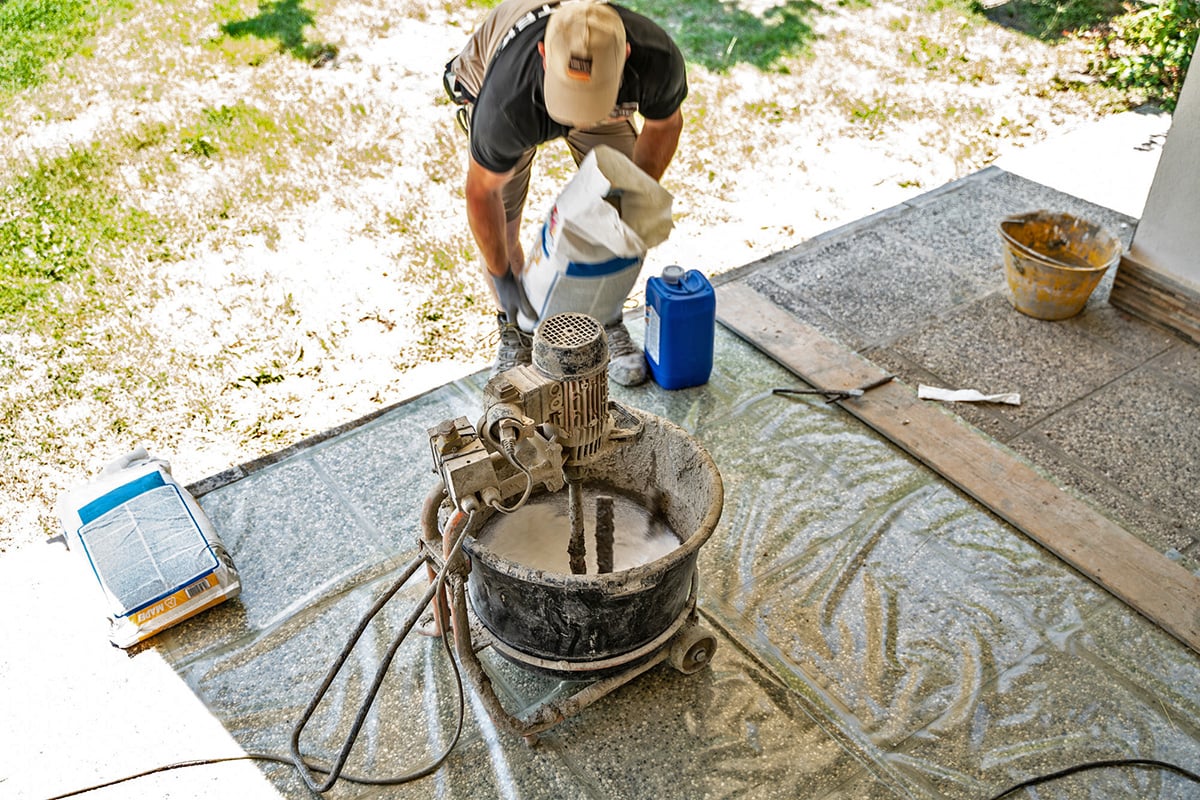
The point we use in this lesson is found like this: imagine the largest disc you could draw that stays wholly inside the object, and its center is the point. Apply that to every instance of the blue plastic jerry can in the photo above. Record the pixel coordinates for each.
(681, 315)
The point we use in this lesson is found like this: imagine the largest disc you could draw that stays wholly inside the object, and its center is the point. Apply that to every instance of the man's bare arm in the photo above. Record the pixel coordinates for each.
(656, 144)
(485, 215)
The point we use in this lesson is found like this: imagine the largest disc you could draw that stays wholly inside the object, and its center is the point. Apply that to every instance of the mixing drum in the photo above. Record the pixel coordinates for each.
(584, 623)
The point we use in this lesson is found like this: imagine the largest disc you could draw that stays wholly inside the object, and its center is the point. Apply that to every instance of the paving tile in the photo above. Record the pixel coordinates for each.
(962, 227)
(903, 616)
(991, 347)
(868, 785)
(1146, 657)
(803, 475)
(1141, 432)
(729, 730)
(495, 769)
(1113, 498)
(384, 470)
(291, 536)
(871, 286)
(1181, 363)
(1125, 333)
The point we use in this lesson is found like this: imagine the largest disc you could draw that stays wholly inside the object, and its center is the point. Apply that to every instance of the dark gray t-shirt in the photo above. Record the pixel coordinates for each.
(510, 116)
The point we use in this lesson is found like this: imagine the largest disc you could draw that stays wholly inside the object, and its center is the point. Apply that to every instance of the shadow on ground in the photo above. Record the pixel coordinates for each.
(1050, 20)
(284, 22)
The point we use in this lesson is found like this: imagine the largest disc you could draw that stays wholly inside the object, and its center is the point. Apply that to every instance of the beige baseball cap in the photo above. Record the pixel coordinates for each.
(585, 56)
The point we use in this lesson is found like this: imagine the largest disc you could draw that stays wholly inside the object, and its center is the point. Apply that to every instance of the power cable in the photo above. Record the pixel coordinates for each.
(435, 588)
(508, 444)
(1148, 763)
(204, 762)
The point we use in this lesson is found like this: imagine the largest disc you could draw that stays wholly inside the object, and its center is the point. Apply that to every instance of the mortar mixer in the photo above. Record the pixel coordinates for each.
(586, 611)
(580, 485)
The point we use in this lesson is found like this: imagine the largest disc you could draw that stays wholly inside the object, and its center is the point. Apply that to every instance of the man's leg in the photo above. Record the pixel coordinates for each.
(626, 363)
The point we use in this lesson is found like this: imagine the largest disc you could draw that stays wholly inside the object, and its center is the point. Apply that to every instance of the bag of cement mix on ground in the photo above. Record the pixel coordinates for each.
(594, 239)
(149, 546)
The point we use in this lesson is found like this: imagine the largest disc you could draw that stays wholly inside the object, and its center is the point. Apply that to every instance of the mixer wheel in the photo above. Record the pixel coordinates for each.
(692, 649)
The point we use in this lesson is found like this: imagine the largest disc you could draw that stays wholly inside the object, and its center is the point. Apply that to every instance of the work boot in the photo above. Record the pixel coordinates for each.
(516, 346)
(626, 363)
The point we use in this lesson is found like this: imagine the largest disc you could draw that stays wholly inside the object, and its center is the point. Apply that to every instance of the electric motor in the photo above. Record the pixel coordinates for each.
(571, 349)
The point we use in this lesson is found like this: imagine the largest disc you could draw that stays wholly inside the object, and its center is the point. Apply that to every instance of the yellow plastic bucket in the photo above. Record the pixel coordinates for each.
(1053, 261)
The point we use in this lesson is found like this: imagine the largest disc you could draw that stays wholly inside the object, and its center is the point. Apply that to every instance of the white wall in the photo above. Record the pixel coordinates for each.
(1168, 237)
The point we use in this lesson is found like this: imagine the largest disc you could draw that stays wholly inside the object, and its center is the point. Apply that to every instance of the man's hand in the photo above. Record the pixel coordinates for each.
(511, 295)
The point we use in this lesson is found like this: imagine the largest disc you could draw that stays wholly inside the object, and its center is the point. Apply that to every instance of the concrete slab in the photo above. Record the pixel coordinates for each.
(1158, 528)
(868, 616)
(1110, 162)
(960, 222)
(868, 288)
(1137, 432)
(79, 711)
(920, 290)
(879, 278)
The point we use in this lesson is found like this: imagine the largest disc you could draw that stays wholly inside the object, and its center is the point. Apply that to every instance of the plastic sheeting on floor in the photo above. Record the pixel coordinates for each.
(879, 635)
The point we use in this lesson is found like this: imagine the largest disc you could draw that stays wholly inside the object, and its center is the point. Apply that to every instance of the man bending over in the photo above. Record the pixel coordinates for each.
(534, 72)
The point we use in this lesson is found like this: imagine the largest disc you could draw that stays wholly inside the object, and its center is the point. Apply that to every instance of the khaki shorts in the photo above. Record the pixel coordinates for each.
(618, 134)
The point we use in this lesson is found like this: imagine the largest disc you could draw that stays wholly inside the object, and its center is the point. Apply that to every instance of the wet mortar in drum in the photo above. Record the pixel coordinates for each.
(538, 534)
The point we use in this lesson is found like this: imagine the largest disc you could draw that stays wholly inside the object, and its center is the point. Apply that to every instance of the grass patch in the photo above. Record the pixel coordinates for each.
(717, 35)
(238, 131)
(65, 215)
(35, 33)
(59, 219)
(874, 115)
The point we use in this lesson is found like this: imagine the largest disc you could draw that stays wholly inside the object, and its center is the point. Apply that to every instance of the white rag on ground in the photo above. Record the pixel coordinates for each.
(966, 395)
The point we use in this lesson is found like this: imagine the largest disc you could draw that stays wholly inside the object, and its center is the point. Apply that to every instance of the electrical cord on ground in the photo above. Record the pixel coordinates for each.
(305, 767)
(1148, 763)
(204, 762)
(435, 588)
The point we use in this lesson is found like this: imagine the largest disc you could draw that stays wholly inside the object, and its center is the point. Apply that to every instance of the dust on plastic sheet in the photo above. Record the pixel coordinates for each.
(879, 634)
